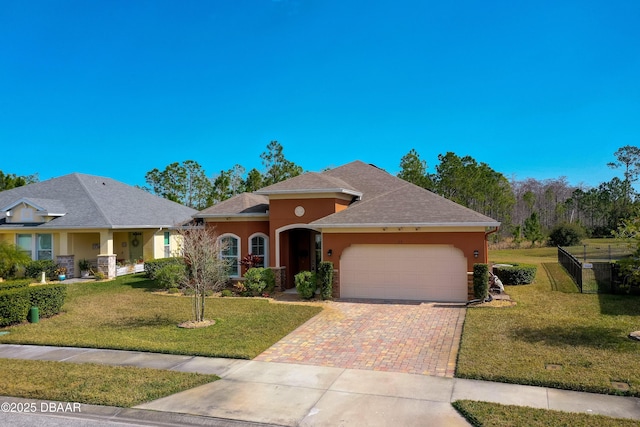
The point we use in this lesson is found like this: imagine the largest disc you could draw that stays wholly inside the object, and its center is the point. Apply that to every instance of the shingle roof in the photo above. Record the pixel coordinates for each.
(380, 199)
(241, 204)
(311, 182)
(97, 202)
(391, 201)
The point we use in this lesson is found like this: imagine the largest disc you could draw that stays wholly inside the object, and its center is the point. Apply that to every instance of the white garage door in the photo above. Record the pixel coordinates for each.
(409, 272)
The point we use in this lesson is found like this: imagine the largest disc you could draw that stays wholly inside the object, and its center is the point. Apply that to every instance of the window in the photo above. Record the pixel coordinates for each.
(40, 245)
(258, 245)
(231, 253)
(25, 243)
(167, 244)
(45, 246)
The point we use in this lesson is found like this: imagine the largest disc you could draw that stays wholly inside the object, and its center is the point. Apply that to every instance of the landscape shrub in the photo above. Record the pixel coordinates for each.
(17, 283)
(15, 303)
(48, 298)
(325, 279)
(257, 281)
(516, 274)
(35, 268)
(305, 284)
(270, 277)
(480, 281)
(14, 306)
(151, 267)
(226, 293)
(170, 275)
(254, 280)
(566, 235)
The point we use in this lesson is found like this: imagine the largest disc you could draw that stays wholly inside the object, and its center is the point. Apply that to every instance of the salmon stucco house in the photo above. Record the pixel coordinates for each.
(387, 238)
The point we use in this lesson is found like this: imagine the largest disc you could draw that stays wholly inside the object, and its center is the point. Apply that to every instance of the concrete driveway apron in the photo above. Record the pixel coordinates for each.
(416, 338)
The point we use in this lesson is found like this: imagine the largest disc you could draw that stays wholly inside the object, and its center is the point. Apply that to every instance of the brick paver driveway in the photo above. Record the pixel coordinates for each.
(413, 338)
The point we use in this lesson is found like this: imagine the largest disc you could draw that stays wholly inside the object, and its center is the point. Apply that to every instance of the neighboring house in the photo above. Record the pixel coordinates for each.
(387, 238)
(80, 216)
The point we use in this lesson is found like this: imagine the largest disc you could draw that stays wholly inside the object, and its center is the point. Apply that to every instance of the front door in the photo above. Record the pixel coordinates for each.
(135, 246)
(302, 253)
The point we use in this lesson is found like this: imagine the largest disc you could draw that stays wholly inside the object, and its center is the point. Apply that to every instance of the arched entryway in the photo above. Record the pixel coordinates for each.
(298, 248)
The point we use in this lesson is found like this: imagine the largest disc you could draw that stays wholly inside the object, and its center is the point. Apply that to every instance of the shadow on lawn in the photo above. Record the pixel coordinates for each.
(619, 305)
(581, 336)
(141, 322)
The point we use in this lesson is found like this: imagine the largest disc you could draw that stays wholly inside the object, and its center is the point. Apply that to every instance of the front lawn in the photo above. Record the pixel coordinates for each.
(125, 314)
(92, 383)
(551, 338)
(494, 415)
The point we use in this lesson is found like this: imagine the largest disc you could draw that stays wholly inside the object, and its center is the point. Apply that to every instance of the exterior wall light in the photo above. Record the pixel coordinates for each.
(330, 252)
(476, 253)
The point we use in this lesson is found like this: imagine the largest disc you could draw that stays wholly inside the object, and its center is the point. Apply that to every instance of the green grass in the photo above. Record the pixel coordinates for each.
(125, 314)
(495, 415)
(92, 383)
(586, 335)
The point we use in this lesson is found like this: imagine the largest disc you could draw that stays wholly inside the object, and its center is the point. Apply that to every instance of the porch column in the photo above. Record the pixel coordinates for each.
(64, 243)
(107, 258)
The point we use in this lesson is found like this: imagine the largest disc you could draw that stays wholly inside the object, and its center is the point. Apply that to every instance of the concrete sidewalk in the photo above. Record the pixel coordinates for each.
(268, 393)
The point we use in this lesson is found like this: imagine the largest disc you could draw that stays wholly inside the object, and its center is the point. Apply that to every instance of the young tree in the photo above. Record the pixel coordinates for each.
(532, 230)
(206, 269)
(278, 167)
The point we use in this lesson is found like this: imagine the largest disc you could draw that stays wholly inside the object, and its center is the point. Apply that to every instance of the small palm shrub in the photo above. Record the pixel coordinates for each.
(305, 284)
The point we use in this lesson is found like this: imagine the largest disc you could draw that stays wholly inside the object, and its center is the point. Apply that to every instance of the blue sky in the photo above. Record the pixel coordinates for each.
(116, 88)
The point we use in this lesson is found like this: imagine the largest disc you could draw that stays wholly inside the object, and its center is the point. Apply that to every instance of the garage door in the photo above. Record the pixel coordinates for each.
(409, 272)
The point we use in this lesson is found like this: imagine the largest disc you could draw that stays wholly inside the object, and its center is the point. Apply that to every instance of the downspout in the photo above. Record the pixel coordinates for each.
(486, 241)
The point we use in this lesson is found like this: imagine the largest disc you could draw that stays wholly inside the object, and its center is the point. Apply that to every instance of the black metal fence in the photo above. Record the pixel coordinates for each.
(572, 265)
(593, 267)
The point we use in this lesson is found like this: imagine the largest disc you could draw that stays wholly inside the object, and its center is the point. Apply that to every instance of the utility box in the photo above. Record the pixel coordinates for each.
(34, 315)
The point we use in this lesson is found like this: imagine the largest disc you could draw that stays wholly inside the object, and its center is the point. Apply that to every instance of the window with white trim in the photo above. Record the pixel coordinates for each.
(259, 245)
(36, 246)
(231, 253)
(167, 244)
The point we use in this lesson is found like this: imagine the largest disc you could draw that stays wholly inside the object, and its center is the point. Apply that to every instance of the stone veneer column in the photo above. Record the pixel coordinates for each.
(107, 265)
(335, 286)
(67, 261)
(281, 277)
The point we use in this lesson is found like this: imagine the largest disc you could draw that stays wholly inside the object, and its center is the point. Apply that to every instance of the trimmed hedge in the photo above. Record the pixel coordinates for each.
(48, 298)
(15, 303)
(14, 306)
(325, 279)
(152, 266)
(12, 284)
(516, 274)
(481, 281)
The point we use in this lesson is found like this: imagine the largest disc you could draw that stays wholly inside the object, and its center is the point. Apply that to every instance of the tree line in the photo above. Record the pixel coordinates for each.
(528, 209)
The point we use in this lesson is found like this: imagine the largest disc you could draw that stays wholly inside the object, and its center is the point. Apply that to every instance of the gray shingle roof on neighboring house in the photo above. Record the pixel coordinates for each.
(97, 202)
(246, 204)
